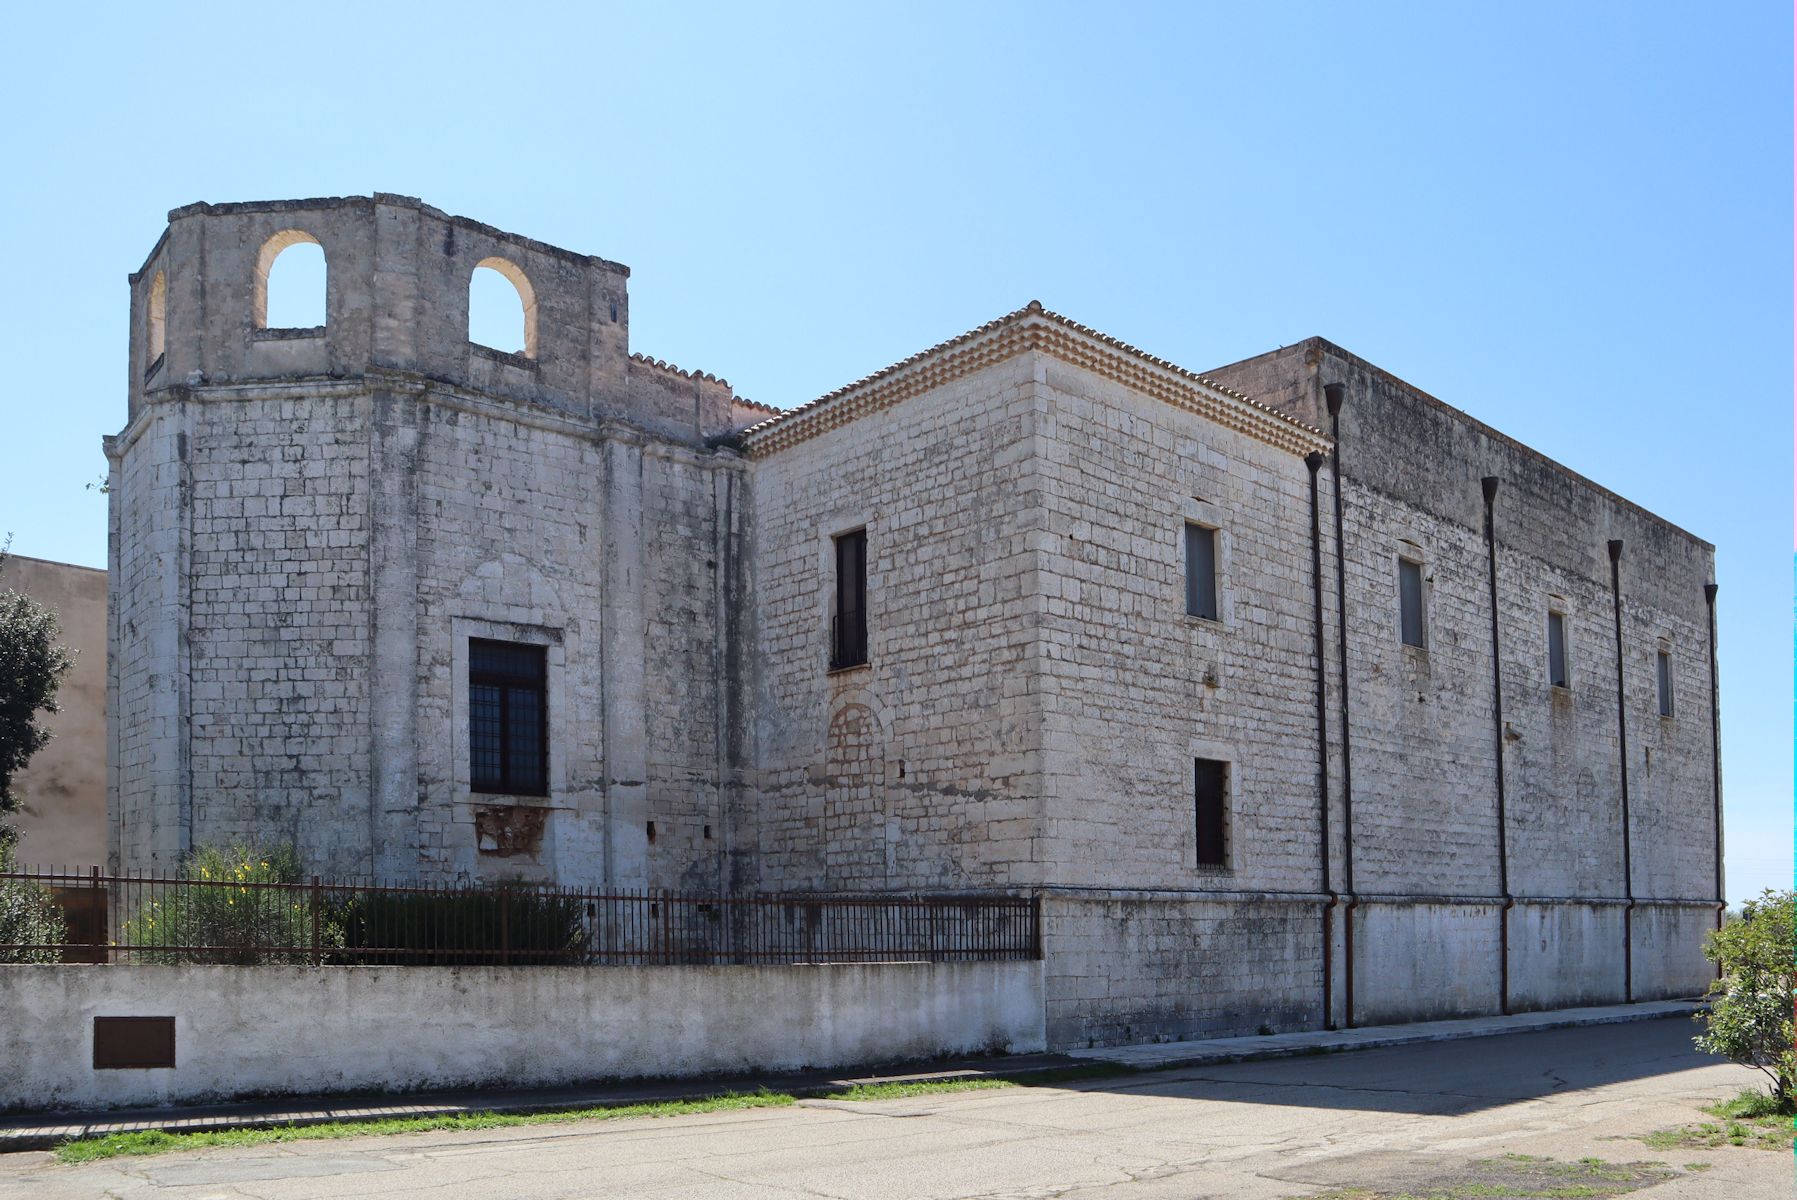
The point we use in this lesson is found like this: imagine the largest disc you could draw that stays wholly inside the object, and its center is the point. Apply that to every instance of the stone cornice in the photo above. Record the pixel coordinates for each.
(1033, 328)
(426, 389)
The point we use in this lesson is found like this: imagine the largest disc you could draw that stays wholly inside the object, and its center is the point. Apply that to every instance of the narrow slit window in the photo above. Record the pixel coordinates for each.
(1201, 572)
(1210, 799)
(1556, 650)
(1410, 601)
(1663, 681)
(508, 718)
(848, 620)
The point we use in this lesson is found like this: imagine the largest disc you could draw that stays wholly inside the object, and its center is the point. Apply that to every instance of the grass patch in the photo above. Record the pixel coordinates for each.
(154, 1141)
(1518, 1177)
(1753, 1119)
(898, 1091)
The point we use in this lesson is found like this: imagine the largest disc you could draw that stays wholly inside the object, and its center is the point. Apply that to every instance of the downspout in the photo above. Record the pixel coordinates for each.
(1314, 462)
(1490, 485)
(1332, 394)
(1709, 599)
(1622, 739)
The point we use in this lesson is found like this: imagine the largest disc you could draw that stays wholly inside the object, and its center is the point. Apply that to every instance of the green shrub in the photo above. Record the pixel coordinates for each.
(1749, 1019)
(231, 920)
(29, 915)
(461, 928)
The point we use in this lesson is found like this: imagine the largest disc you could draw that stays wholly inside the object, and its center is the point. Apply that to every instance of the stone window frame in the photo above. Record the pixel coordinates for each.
(1558, 604)
(827, 532)
(1198, 748)
(1411, 551)
(1207, 515)
(552, 639)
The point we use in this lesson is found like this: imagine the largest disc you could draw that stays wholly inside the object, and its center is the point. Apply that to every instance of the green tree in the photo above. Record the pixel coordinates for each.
(29, 917)
(31, 667)
(1749, 1019)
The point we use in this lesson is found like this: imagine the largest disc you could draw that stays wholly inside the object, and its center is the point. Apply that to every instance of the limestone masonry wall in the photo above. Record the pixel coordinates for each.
(309, 526)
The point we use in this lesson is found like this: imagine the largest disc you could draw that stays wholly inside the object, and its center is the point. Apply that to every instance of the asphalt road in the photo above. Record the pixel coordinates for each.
(1399, 1119)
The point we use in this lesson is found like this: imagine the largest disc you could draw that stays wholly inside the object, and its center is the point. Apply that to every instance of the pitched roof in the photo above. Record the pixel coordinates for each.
(1033, 327)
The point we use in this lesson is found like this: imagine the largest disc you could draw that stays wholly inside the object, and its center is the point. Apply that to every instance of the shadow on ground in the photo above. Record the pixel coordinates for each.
(1438, 1078)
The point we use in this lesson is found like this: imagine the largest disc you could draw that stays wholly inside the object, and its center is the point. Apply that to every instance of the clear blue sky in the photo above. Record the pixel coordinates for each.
(1572, 221)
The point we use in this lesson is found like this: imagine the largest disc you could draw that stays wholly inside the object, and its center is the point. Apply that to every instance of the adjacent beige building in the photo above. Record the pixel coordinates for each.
(1300, 696)
(64, 786)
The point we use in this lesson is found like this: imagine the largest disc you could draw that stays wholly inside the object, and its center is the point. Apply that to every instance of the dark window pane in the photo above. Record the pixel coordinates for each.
(485, 736)
(1556, 649)
(848, 621)
(508, 661)
(1410, 601)
(524, 739)
(1210, 786)
(1664, 680)
(1201, 572)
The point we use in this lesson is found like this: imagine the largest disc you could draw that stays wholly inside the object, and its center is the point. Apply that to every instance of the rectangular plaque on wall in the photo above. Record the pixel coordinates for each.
(133, 1043)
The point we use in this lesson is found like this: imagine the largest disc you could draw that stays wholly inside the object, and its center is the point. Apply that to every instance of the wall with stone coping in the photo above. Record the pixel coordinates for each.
(252, 1030)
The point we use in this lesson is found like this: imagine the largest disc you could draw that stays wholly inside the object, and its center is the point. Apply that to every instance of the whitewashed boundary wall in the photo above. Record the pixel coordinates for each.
(254, 1030)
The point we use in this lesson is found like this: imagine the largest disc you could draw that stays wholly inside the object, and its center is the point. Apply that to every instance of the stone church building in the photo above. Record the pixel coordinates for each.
(1299, 696)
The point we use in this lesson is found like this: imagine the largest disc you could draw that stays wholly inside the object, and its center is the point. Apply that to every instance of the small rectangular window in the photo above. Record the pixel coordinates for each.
(1201, 572)
(1410, 601)
(1210, 798)
(508, 718)
(848, 620)
(1663, 678)
(1556, 650)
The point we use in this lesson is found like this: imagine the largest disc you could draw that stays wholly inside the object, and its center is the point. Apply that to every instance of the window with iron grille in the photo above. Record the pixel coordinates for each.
(508, 718)
(1201, 572)
(848, 620)
(1410, 601)
(1663, 681)
(1210, 800)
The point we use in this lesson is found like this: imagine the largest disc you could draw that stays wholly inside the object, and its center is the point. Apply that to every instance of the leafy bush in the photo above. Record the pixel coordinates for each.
(29, 915)
(1749, 1019)
(231, 919)
(502, 923)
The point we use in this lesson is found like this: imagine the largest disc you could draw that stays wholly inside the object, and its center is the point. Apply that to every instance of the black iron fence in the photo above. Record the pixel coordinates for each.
(88, 917)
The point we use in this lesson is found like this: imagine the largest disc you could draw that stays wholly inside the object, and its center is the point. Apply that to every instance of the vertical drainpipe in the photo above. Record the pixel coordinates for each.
(1332, 394)
(1314, 462)
(1490, 486)
(1622, 739)
(1709, 599)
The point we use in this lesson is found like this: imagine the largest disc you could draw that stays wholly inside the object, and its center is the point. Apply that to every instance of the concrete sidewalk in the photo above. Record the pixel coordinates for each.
(40, 1131)
(1160, 1056)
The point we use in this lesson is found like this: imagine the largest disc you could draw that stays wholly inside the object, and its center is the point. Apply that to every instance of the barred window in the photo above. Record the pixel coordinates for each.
(1210, 802)
(848, 619)
(508, 718)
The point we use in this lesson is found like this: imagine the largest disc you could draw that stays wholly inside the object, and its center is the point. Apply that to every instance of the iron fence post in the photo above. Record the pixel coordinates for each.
(505, 927)
(317, 905)
(104, 933)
